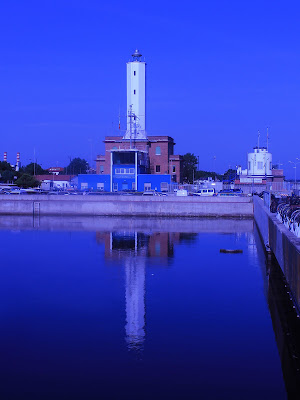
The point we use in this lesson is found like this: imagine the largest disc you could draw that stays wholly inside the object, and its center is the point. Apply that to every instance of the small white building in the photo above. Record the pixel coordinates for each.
(59, 182)
(259, 165)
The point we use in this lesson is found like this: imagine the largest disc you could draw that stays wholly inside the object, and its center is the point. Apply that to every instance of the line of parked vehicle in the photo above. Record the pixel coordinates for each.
(178, 192)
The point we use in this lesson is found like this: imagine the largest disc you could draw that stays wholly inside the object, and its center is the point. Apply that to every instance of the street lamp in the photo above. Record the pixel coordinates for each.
(295, 166)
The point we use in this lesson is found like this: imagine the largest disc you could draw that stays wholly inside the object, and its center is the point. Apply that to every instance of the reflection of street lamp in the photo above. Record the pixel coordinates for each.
(53, 173)
(295, 166)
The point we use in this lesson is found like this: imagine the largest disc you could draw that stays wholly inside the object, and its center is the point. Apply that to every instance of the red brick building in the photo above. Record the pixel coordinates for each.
(160, 149)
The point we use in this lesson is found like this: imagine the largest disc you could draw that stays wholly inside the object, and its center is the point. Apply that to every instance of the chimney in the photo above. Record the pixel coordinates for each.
(18, 161)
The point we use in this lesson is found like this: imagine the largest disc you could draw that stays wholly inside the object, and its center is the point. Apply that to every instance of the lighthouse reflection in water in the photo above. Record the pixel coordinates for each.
(133, 249)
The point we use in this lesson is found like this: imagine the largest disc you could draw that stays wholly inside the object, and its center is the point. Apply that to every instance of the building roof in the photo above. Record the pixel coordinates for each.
(126, 150)
(55, 169)
(54, 177)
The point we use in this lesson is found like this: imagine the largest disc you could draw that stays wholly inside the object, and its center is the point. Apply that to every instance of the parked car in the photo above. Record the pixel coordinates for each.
(181, 192)
(151, 193)
(230, 192)
(205, 192)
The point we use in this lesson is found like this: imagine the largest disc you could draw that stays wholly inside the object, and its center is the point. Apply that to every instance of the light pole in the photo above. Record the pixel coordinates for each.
(295, 166)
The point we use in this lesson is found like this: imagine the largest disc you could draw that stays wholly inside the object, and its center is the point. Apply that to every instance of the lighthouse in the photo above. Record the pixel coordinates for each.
(136, 98)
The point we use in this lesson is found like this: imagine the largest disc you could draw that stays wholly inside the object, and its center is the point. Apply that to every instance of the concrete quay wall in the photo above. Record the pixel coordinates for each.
(236, 207)
(283, 243)
(112, 224)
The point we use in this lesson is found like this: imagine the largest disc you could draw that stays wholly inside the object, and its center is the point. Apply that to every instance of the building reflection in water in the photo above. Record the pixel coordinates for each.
(133, 249)
(135, 302)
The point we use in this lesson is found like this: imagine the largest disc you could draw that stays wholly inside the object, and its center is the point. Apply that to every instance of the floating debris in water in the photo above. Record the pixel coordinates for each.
(232, 251)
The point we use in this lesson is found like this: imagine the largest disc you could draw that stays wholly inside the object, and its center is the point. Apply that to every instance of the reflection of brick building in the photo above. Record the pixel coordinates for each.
(132, 244)
(160, 150)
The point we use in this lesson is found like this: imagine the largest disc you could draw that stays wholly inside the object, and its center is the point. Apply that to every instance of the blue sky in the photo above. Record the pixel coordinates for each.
(217, 72)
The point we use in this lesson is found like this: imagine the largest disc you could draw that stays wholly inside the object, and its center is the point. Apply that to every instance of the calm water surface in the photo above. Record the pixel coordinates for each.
(116, 309)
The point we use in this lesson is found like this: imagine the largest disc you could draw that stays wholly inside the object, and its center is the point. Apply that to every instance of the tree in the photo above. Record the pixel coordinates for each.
(5, 166)
(207, 174)
(34, 169)
(229, 175)
(77, 166)
(27, 181)
(189, 167)
(7, 176)
(6, 172)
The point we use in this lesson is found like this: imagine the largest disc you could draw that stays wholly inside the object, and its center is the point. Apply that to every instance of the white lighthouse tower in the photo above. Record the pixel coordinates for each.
(136, 98)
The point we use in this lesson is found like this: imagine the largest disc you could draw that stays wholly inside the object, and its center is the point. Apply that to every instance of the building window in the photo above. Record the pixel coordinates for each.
(100, 186)
(101, 169)
(147, 187)
(84, 185)
(174, 169)
(131, 171)
(158, 151)
(134, 91)
(134, 73)
(114, 148)
(115, 187)
(157, 168)
(164, 186)
(249, 167)
(260, 165)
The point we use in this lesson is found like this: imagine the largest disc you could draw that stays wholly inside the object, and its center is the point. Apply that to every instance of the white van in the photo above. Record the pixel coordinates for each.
(181, 192)
(205, 192)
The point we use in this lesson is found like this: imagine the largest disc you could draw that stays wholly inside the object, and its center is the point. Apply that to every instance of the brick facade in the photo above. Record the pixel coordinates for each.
(160, 150)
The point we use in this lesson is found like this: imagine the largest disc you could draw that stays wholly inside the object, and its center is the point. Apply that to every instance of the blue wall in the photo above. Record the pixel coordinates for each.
(154, 180)
(123, 181)
(92, 180)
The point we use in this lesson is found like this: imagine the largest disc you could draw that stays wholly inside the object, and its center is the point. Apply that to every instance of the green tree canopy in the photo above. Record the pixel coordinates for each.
(5, 166)
(34, 169)
(7, 176)
(26, 181)
(207, 174)
(77, 166)
(189, 167)
(229, 175)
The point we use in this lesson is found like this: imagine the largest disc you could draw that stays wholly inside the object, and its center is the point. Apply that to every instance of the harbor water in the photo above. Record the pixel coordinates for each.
(142, 309)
